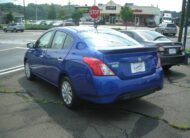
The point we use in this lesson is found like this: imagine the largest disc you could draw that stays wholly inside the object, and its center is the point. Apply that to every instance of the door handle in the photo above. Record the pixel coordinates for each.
(60, 59)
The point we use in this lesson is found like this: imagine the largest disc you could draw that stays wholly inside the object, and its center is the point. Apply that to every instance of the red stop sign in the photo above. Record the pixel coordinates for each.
(94, 12)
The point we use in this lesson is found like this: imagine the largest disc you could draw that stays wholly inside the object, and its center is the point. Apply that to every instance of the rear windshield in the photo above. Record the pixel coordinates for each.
(151, 36)
(171, 25)
(107, 39)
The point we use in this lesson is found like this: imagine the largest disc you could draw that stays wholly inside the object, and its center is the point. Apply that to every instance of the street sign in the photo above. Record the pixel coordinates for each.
(94, 12)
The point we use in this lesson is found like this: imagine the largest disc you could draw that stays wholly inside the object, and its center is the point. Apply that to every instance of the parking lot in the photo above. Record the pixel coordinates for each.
(35, 108)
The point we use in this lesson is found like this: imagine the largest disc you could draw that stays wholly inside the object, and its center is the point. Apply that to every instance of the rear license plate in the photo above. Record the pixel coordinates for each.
(172, 51)
(137, 67)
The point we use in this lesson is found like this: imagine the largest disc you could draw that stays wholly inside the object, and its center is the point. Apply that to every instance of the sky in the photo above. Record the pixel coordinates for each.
(172, 5)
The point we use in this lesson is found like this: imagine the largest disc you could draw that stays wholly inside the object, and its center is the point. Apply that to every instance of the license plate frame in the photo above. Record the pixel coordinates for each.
(137, 67)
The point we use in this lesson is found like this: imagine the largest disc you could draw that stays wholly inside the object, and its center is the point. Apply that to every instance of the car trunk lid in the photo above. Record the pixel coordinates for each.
(131, 63)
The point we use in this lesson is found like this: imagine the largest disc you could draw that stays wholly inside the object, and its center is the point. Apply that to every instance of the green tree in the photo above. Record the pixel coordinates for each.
(52, 12)
(63, 14)
(9, 17)
(76, 15)
(126, 14)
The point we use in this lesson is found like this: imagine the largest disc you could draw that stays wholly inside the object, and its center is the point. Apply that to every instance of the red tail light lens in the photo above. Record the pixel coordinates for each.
(158, 62)
(161, 49)
(98, 67)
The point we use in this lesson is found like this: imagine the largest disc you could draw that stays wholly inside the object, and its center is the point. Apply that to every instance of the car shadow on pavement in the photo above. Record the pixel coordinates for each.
(173, 75)
(131, 118)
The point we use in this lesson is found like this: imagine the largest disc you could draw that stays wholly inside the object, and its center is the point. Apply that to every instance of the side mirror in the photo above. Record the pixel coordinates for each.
(30, 45)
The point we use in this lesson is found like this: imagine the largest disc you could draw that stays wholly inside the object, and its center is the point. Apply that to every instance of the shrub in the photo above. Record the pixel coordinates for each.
(37, 27)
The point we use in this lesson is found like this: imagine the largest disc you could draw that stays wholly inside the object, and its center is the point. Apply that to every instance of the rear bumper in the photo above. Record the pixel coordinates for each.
(170, 31)
(110, 89)
(172, 60)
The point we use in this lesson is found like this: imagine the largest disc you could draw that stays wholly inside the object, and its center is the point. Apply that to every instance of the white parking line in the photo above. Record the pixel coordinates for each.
(11, 70)
(21, 47)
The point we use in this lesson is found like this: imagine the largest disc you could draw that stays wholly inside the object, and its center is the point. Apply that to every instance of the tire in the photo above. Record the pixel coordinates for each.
(167, 67)
(173, 34)
(28, 72)
(70, 99)
(5, 30)
(22, 30)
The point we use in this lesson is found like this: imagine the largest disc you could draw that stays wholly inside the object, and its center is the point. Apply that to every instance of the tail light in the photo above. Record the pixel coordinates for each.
(160, 49)
(98, 67)
(158, 62)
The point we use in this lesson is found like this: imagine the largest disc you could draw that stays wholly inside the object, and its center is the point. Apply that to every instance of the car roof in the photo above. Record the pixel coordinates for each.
(77, 29)
(137, 31)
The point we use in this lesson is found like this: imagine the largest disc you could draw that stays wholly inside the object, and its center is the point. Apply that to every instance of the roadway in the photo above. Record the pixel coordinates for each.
(13, 46)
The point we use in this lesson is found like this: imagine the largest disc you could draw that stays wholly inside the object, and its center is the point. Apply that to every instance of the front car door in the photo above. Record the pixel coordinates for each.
(38, 53)
(54, 59)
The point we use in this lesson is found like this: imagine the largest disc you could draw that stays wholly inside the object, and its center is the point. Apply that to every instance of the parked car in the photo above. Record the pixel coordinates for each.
(14, 27)
(167, 29)
(58, 23)
(40, 23)
(99, 65)
(171, 53)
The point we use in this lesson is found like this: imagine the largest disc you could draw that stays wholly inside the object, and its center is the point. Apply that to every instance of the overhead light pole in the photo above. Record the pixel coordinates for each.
(36, 11)
(24, 12)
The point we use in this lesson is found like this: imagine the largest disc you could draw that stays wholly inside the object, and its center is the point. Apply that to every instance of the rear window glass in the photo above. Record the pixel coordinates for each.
(171, 25)
(151, 36)
(107, 39)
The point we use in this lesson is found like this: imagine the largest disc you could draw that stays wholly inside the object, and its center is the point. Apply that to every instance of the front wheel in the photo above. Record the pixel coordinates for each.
(67, 92)
(28, 72)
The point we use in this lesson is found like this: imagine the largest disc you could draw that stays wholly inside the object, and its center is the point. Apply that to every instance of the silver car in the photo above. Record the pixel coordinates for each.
(167, 29)
(14, 27)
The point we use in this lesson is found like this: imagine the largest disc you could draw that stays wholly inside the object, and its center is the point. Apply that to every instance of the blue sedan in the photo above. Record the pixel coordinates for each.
(95, 64)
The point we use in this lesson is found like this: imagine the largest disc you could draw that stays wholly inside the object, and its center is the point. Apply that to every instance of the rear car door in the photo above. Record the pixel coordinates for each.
(54, 59)
(38, 53)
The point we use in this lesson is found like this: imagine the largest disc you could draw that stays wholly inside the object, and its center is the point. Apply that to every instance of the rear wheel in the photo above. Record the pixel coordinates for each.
(67, 92)
(28, 72)
(5, 30)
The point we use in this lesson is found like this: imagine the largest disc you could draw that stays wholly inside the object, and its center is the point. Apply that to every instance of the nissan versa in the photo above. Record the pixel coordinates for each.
(99, 65)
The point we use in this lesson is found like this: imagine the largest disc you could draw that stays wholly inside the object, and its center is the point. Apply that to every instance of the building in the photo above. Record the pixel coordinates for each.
(144, 15)
(110, 14)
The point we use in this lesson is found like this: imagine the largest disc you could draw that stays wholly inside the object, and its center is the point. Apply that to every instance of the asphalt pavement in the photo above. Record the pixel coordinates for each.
(35, 109)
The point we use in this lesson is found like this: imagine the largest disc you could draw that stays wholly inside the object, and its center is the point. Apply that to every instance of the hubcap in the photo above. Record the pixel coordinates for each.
(27, 70)
(66, 91)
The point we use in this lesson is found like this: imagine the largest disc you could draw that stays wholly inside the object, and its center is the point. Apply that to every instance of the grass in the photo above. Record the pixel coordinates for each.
(117, 29)
(188, 33)
(182, 127)
(187, 50)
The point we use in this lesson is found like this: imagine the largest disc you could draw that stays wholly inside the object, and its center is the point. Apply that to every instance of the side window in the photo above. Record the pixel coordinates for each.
(43, 42)
(138, 38)
(68, 42)
(58, 40)
(130, 34)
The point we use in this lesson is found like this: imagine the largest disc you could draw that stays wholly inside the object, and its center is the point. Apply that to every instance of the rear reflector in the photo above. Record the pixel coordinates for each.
(98, 67)
(158, 62)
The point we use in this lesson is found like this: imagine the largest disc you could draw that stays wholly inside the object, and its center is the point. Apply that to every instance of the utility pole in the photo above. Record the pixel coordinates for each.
(182, 21)
(186, 22)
